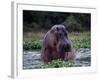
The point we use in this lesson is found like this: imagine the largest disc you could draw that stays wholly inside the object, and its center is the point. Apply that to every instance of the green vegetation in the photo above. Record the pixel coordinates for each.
(38, 20)
(59, 63)
(79, 40)
(32, 45)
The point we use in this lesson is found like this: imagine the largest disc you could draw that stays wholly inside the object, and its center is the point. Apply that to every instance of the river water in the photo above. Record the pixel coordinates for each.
(32, 59)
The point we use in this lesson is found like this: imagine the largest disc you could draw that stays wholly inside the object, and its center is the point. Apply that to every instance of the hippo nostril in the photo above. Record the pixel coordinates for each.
(64, 48)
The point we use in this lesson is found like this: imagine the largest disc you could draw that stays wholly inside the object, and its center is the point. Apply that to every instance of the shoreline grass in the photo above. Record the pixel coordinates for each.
(79, 40)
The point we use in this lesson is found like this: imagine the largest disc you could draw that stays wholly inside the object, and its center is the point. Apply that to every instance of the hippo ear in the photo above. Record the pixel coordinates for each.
(54, 29)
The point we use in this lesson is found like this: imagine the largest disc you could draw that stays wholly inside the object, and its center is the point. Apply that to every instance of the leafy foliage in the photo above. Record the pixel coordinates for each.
(32, 45)
(59, 63)
(36, 20)
(73, 24)
(79, 40)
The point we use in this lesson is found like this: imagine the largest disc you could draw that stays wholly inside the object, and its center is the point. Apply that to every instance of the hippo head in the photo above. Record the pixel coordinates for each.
(61, 34)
